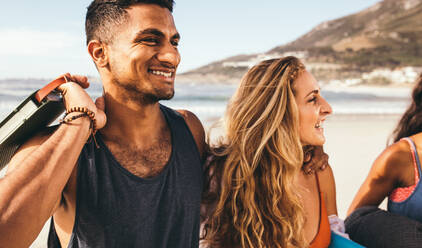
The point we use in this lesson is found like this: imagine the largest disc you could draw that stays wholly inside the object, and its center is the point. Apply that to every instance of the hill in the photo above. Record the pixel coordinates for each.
(379, 45)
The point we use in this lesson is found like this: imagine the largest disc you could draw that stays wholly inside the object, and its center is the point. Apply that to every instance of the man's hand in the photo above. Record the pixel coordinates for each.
(314, 159)
(74, 95)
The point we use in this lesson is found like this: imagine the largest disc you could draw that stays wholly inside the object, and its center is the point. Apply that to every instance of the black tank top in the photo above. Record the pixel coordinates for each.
(115, 208)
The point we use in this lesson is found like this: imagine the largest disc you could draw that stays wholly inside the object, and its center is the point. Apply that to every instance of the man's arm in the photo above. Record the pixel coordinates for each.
(37, 174)
(31, 190)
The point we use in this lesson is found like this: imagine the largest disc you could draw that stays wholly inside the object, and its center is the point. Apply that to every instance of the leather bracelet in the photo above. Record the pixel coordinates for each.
(84, 112)
(70, 119)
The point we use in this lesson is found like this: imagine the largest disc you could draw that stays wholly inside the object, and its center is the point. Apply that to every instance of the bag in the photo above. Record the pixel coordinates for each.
(36, 112)
(338, 241)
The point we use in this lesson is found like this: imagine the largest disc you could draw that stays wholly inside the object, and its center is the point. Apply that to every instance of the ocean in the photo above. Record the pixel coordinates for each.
(208, 101)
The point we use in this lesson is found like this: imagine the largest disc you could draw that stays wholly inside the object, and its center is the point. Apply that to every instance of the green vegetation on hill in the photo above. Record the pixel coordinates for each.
(386, 35)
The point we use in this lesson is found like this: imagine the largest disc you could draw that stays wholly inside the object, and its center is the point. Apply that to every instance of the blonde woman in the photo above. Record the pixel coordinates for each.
(257, 193)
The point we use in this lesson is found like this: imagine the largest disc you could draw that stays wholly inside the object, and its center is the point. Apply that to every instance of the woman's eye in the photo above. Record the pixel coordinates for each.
(175, 43)
(313, 99)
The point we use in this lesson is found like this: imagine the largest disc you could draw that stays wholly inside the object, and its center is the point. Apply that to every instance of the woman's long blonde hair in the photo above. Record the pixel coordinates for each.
(250, 197)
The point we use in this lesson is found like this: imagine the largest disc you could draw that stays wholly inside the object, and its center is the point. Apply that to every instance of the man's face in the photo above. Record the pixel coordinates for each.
(143, 56)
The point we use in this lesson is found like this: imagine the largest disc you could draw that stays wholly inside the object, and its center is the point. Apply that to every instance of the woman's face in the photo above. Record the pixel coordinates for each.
(313, 109)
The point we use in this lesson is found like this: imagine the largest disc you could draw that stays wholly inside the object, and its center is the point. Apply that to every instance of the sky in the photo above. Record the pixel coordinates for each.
(43, 39)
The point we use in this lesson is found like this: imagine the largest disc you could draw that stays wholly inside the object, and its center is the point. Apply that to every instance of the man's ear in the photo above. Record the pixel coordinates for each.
(97, 51)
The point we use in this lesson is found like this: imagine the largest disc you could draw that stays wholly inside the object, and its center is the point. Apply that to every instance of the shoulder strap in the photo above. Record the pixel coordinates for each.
(415, 157)
(42, 93)
(317, 181)
(170, 112)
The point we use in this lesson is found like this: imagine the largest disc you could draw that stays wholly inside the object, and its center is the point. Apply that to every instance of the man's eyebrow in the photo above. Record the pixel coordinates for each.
(152, 31)
(155, 32)
(313, 92)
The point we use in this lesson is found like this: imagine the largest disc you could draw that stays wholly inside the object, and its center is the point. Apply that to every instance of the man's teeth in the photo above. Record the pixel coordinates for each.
(161, 73)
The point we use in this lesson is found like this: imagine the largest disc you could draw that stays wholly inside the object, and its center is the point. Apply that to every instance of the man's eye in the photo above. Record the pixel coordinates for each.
(149, 41)
(175, 43)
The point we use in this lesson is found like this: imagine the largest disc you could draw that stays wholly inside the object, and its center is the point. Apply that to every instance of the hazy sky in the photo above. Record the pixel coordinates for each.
(46, 38)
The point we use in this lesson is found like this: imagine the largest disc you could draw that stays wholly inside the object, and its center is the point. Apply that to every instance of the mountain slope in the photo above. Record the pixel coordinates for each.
(387, 35)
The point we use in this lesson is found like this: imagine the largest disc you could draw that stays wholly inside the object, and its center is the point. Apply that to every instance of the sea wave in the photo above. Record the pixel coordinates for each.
(208, 101)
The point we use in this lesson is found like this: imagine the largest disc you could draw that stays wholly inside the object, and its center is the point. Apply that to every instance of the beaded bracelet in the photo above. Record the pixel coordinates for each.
(84, 112)
(70, 119)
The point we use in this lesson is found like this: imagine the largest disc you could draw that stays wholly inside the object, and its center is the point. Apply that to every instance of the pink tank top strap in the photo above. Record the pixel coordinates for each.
(414, 156)
(402, 193)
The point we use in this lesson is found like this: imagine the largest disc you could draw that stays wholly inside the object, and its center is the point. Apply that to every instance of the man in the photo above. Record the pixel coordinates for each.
(138, 182)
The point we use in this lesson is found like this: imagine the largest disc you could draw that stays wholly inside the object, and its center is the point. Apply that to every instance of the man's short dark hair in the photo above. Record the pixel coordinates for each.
(103, 15)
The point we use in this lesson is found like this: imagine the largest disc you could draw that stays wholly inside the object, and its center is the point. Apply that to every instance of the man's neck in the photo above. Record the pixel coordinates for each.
(130, 122)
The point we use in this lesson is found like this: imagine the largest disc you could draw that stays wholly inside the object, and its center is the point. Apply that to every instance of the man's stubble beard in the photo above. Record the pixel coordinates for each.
(130, 91)
(133, 93)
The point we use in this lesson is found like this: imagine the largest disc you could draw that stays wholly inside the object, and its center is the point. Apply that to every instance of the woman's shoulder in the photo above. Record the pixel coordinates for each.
(417, 139)
(395, 157)
(326, 180)
(393, 164)
(326, 175)
(328, 188)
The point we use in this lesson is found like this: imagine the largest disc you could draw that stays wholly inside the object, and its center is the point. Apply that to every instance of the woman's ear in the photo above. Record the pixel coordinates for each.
(97, 51)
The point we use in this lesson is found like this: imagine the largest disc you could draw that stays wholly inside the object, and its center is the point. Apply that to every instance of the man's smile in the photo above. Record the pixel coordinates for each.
(162, 73)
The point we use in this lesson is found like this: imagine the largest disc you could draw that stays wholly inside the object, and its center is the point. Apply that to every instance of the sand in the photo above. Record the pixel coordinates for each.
(353, 143)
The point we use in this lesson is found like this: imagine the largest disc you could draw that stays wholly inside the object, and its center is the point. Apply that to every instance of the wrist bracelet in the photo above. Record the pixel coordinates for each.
(88, 113)
(70, 119)
(84, 112)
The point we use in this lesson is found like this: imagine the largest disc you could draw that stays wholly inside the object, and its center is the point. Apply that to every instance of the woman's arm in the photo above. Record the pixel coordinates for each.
(387, 172)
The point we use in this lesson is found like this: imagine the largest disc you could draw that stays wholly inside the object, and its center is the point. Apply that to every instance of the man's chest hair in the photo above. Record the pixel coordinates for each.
(143, 163)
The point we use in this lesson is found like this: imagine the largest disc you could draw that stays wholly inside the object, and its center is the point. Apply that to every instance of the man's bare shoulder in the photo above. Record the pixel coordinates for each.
(196, 128)
(190, 118)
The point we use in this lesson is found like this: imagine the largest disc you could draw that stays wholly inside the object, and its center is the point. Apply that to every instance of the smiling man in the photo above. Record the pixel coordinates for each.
(138, 181)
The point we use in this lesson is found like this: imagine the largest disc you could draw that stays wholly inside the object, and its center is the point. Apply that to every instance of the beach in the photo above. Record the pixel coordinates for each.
(356, 133)
(353, 142)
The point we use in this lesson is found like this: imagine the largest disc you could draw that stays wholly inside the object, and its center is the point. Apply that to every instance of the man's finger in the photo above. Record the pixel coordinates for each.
(79, 79)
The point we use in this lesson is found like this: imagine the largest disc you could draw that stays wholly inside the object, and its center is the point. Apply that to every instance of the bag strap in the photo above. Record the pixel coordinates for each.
(42, 93)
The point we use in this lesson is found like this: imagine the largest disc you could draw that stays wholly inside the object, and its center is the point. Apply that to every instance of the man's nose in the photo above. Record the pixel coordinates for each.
(169, 54)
